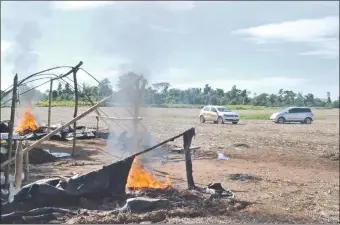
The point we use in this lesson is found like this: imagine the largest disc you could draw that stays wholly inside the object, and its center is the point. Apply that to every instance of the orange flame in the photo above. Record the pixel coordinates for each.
(140, 178)
(28, 123)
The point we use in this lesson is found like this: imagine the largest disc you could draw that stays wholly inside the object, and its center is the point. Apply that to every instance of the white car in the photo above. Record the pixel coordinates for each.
(293, 114)
(218, 114)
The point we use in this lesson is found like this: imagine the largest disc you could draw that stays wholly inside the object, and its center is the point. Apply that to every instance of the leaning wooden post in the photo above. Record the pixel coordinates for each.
(18, 165)
(75, 111)
(49, 107)
(26, 165)
(11, 127)
(187, 138)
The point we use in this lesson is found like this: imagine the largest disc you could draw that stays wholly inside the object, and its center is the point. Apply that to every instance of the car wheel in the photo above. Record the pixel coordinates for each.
(308, 120)
(202, 120)
(281, 120)
(220, 120)
(235, 122)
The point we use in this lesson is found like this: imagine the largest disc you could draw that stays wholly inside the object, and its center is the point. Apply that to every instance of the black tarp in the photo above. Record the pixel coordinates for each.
(108, 181)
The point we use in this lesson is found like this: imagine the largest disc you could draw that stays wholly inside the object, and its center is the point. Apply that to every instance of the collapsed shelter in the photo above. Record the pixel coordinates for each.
(111, 180)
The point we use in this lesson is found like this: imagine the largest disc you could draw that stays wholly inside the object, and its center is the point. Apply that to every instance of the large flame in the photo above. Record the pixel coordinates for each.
(28, 124)
(140, 178)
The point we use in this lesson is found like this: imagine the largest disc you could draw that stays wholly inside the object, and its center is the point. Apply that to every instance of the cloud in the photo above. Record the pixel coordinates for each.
(321, 34)
(5, 46)
(177, 6)
(80, 5)
(328, 49)
(160, 28)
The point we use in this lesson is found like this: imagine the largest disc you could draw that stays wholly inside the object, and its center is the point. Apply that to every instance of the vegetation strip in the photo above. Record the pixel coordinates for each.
(161, 95)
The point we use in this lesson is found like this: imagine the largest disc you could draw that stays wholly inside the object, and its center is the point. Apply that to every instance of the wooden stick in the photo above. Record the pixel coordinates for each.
(179, 160)
(97, 128)
(75, 111)
(49, 107)
(11, 127)
(135, 116)
(162, 143)
(187, 138)
(93, 108)
(97, 111)
(119, 118)
(18, 165)
(26, 166)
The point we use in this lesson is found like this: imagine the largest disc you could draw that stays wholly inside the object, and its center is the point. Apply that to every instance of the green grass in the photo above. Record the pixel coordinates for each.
(255, 116)
(266, 116)
(70, 103)
(61, 103)
(249, 107)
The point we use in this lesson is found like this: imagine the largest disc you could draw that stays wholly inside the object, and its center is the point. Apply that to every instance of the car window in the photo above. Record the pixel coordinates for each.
(206, 109)
(305, 110)
(294, 110)
(213, 110)
(223, 109)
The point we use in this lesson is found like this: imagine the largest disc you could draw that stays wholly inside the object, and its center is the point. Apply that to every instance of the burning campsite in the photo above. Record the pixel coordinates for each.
(126, 184)
(117, 161)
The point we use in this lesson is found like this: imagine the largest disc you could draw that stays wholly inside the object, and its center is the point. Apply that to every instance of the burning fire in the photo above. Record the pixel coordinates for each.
(28, 123)
(140, 178)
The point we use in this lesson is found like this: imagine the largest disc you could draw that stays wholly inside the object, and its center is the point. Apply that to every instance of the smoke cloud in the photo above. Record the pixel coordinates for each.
(22, 21)
(21, 24)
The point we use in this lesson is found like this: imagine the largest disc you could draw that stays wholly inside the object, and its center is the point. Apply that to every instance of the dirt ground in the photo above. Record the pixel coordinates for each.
(296, 166)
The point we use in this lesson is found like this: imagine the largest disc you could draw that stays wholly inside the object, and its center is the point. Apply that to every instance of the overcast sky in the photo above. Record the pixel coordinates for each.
(261, 46)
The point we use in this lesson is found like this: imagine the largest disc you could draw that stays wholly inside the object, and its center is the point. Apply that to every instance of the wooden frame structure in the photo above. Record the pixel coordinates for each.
(139, 84)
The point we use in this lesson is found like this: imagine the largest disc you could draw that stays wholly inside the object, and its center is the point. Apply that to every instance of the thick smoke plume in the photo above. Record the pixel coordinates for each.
(120, 142)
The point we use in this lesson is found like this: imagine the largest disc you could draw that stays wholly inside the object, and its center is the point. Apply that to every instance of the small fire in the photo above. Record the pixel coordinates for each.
(140, 178)
(28, 124)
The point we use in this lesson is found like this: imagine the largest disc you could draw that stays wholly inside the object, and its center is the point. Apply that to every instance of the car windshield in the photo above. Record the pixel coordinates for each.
(223, 109)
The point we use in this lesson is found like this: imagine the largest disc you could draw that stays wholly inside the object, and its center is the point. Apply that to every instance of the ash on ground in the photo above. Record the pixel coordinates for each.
(169, 203)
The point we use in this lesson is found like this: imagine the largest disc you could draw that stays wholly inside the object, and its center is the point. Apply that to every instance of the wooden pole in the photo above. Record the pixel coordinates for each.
(119, 118)
(75, 111)
(49, 107)
(11, 127)
(137, 102)
(18, 165)
(26, 165)
(135, 116)
(97, 128)
(93, 108)
(187, 138)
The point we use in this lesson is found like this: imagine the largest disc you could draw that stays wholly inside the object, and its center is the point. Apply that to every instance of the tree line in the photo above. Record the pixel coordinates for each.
(162, 93)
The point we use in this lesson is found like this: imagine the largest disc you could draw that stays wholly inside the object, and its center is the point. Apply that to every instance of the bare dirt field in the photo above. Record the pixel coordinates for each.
(296, 166)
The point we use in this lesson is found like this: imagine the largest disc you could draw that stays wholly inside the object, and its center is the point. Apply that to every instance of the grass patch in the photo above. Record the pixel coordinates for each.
(255, 116)
(266, 116)
(249, 107)
(62, 103)
(319, 118)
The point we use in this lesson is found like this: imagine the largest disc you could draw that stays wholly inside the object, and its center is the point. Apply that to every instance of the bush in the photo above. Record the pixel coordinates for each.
(63, 103)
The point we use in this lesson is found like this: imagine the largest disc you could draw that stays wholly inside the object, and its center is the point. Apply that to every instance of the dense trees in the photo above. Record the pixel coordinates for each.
(162, 93)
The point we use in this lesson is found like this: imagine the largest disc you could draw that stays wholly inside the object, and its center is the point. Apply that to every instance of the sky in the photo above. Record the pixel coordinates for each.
(260, 46)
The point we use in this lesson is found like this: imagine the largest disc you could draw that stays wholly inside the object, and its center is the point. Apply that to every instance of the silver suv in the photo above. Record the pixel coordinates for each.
(293, 114)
